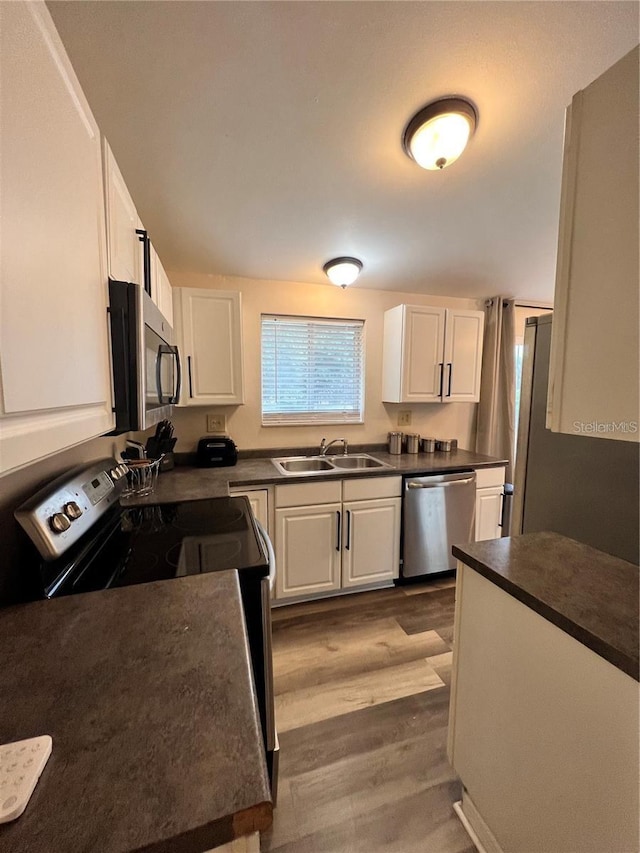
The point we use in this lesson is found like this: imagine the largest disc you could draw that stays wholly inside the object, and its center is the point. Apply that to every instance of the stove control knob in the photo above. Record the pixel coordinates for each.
(122, 470)
(115, 474)
(59, 522)
(72, 510)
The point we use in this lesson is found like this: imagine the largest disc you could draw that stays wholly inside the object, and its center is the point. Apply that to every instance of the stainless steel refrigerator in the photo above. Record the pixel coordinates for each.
(582, 487)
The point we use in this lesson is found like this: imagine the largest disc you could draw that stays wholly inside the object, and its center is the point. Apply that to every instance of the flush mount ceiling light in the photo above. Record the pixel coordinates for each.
(438, 134)
(343, 271)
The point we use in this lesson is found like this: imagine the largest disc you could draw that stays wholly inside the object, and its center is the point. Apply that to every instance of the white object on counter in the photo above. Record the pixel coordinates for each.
(21, 764)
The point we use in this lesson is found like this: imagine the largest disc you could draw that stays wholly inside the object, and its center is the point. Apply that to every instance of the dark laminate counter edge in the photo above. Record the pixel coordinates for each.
(624, 659)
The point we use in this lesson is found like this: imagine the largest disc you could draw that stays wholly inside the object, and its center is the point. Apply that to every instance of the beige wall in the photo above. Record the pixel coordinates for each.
(442, 420)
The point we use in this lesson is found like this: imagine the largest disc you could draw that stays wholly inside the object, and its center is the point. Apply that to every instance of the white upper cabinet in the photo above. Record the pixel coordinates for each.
(124, 249)
(463, 356)
(431, 355)
(593, 378)
(54, 350)
(161, 290)
(208, 325)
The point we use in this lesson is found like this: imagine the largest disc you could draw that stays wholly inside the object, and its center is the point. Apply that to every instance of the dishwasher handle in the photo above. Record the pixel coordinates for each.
(439, 485)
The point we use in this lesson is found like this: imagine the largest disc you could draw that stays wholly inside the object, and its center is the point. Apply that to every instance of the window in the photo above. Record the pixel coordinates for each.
(312, 370)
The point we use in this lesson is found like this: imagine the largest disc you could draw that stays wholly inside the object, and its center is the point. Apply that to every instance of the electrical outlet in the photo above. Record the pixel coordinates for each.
(216, 423)
(404, 418)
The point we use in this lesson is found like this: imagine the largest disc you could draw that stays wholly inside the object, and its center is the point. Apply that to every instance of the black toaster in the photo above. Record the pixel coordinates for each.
(216, 452)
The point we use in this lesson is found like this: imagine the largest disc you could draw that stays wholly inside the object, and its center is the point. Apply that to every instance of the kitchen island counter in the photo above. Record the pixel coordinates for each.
(544, 714)
(147, 693)
(190, 483)
(590, 595)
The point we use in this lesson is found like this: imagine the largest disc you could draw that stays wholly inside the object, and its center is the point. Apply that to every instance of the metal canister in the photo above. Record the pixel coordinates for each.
(446, 444)
(395, 443)
(428, 445)
(413, 442)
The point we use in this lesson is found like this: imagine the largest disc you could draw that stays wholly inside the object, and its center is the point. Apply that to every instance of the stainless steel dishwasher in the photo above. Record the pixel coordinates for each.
(438, 511)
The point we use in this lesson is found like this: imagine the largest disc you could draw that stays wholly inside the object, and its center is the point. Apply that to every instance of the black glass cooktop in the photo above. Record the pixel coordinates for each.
(150, 543)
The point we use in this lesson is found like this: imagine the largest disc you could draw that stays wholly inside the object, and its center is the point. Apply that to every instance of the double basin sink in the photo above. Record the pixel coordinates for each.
(290, 465)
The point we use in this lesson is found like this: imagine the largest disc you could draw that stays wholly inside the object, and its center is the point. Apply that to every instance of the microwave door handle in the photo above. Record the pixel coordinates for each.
(176, 396)
(165, 349)
(159, 373)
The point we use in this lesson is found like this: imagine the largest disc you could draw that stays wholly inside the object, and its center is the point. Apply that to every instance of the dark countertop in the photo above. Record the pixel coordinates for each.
(587, 593)
(147, 694)
(190, 483)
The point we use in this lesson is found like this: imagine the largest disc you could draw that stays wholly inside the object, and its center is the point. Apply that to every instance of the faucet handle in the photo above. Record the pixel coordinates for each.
(323, 446)
(346, 447)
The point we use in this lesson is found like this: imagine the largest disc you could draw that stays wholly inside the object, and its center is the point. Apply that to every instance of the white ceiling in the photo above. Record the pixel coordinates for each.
(260, 139)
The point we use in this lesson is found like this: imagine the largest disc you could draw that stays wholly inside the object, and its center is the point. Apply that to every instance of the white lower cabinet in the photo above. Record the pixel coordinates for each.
(244, 844)
(371, 548)
(489, 497)
(258, 501)
(308, 552)
(336, 534)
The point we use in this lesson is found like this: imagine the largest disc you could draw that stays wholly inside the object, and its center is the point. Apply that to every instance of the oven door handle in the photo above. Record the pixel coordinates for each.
(271, 555)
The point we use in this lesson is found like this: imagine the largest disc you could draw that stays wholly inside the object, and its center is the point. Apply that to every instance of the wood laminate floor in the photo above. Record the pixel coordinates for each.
(362, 703)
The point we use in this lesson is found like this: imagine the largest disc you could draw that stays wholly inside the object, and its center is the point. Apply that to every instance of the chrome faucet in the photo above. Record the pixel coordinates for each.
(324, 446)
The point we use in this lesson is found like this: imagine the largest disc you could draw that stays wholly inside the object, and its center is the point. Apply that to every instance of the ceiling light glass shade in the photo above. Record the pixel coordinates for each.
(343, 271)
(437, 135)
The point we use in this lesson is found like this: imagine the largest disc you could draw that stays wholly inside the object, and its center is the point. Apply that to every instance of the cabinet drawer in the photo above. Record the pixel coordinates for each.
(486, 477)
(368, 488)
(305, 494)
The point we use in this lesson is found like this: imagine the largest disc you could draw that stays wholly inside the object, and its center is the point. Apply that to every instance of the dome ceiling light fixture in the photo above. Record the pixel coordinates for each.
(343, 271)
(438, 134)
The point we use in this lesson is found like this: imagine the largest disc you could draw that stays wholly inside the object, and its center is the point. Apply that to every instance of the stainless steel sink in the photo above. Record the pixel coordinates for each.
(303, 465)
(358, 460)
(291, 465)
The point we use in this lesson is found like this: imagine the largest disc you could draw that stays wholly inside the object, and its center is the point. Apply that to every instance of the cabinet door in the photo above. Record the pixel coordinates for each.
(259, 504)
(489, 513)
(124, 249)
(209, 327)
(54, 346)
(161, 290)
(422, 359)
(463, 356)
(371, 541)
(308, 545)
(593, 377)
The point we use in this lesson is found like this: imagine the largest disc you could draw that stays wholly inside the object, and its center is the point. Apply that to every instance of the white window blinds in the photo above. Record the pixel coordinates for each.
(312, 370)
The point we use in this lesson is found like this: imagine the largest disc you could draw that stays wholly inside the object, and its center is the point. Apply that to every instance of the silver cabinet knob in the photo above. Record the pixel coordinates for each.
(72, 510)
(59, 522)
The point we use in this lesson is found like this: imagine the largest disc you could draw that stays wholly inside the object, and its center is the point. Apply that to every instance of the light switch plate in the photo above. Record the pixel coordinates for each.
(404, 418)
(216, 423)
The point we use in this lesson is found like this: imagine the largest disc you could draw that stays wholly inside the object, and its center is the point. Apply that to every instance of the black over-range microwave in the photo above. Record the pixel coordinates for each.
(146, 364)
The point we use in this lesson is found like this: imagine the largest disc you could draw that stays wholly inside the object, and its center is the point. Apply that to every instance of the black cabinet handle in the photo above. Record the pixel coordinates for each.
(143, 236)
(503, 498)
(441, 365)
(450, 366)
(348, 529)
(339, 526)
(189, 372)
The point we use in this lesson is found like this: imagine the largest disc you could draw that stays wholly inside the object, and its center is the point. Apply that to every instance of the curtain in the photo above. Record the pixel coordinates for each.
(495, 433)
